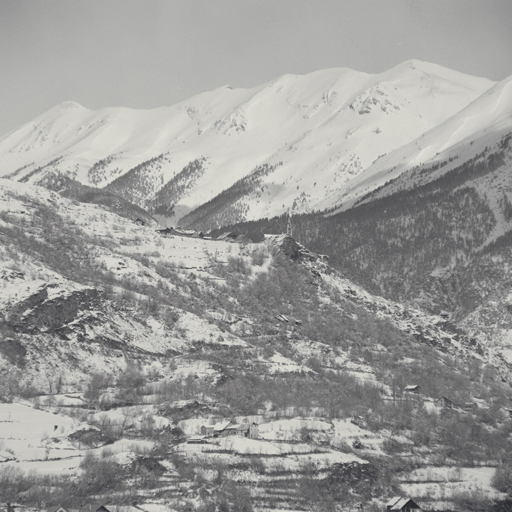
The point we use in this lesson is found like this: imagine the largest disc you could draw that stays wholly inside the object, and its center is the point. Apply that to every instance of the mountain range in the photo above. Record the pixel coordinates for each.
(296, 144)
(365, 334)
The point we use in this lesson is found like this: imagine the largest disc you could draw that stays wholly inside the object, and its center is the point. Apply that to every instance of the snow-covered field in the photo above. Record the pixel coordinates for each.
(443, 483)
(35, 439)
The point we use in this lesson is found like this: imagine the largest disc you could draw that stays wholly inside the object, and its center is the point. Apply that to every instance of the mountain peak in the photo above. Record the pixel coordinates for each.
(69, 105)
(437, 71)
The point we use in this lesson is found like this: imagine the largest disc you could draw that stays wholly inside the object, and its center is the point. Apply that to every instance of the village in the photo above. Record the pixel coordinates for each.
(226, 428)
(395, 504)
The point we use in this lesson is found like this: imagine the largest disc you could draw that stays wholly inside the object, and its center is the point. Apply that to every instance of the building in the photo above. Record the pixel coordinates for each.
(412, 388)
(196, 439)
(399, 504)
(228, 428)
(227, 236)
(444, 403)
(96, 507)
(470, 407)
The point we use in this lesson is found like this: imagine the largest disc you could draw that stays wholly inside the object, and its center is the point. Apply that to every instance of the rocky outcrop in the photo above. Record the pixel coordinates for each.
(360, 478)
(288, 246)
(47, 309)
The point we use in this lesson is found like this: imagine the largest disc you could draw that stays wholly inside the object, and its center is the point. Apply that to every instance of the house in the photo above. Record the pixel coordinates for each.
(227, 236)
(178, 231)
(98, 507)
(402, 505)
(139, 222)
(253, 432)
(412, 388)
(214, 430)
(185, 232)
(196, 439)
(444, 403)
(207, 430)
(228, 428)
(118, 508)
(469, 407)
(167, 232)
(236, 429)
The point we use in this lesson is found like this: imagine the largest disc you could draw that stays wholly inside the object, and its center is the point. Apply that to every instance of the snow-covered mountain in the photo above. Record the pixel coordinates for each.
(462, 137)
(297, 143)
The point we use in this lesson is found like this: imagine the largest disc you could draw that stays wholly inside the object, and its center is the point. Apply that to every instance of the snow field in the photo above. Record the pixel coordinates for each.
(443, 483)
(319, 125)
(37, 440)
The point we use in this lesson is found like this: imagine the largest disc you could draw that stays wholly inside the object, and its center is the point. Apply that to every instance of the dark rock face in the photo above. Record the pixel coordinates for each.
(40, 313)
(354, 477)
(13, 351)
(150, 464)
(92, 437)
(353, 473)
(287, 245)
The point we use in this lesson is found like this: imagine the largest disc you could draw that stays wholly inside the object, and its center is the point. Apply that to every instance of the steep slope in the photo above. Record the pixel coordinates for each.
(461, 137)
(438, 234)
(313, 134)
(146, 338)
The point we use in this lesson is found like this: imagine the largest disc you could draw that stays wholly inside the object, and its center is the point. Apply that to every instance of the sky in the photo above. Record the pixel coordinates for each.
(152, 53)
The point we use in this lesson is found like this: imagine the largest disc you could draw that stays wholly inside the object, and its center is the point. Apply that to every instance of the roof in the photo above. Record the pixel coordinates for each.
(220, 426)
(392, 501)
(238, 426)
(227, 234)
(398, 503)
(122, 508)
(412, 387)
(196, 438)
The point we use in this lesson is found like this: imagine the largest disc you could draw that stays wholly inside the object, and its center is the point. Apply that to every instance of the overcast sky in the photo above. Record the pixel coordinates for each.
(150, 53)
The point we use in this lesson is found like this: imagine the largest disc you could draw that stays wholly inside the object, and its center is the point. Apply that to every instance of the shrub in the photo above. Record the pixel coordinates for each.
(99, 381)
(473, 501)
(12, 483)
(502, 478)
(99, 475)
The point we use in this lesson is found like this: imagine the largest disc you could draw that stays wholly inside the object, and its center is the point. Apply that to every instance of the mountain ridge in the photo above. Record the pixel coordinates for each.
(326, 127)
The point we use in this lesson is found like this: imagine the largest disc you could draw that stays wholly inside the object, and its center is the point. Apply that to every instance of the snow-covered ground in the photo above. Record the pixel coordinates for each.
(35, 439)
(443, 483)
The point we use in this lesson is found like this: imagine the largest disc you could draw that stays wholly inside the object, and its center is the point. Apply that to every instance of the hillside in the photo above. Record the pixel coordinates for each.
(437, 235)
(241, 154)
(134, 340)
